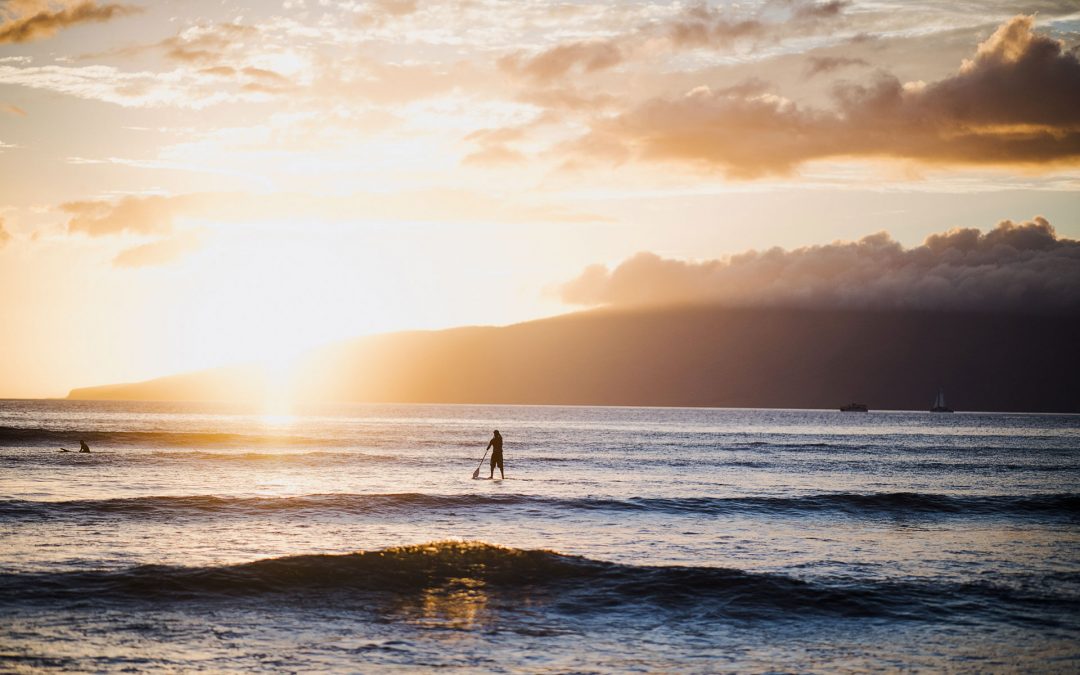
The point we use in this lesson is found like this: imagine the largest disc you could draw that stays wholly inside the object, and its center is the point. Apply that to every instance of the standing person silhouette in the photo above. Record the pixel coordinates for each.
(495, 445)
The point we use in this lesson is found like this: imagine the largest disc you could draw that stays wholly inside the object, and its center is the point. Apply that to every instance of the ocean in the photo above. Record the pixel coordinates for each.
(352, 538)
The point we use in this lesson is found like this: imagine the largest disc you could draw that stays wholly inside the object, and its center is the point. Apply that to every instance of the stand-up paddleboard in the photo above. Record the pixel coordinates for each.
(476, 474)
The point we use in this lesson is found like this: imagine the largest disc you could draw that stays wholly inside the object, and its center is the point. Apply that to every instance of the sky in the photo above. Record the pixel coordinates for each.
(186, 184)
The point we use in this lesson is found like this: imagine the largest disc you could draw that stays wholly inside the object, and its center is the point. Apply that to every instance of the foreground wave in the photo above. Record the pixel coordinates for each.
(892, 505)
(571, 583)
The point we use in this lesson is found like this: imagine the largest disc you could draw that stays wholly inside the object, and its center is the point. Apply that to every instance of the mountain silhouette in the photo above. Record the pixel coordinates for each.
(685, 356)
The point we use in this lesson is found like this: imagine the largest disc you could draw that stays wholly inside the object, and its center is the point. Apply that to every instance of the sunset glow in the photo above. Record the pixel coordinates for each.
(539, 336)
(198, 184)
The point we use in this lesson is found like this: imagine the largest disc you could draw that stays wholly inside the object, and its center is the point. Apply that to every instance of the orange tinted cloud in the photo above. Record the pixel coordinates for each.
(207, 42)
(587, 57)
(136, 215)
(157, 214)
(28, 21)
(1016, 102)
(5, 236)
(1014, 267)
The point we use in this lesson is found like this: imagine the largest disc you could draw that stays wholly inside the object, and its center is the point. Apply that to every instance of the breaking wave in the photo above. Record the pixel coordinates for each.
(570, 583)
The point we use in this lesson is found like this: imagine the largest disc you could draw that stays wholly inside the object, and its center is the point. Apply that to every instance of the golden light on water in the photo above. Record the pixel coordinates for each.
(458, 603)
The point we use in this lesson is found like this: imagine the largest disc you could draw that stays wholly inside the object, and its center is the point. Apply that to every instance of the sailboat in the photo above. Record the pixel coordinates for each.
(939, 403)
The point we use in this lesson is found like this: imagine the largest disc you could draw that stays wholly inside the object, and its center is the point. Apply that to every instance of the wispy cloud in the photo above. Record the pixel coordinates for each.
(180, 88)
(817, 65)
(585, 56)
(151, 215)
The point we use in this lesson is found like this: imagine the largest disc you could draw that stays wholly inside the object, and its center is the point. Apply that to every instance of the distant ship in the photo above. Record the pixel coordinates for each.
(854, 407)
(939, 403)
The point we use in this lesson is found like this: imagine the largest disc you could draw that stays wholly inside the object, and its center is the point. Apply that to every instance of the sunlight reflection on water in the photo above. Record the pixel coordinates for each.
(970, 522)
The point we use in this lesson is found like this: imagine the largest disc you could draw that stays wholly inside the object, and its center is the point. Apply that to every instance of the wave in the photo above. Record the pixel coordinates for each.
(518, 576)
(896, 505)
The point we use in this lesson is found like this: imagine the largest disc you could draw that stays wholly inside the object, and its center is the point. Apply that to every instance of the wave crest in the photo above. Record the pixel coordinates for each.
(516, 578)
(410, 570)
(882, 505)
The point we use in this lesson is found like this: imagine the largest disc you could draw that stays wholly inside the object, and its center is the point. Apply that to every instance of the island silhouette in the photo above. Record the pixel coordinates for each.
(684, 356)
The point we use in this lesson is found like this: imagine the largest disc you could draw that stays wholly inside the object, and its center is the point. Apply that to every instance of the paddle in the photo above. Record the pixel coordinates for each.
(476, 474)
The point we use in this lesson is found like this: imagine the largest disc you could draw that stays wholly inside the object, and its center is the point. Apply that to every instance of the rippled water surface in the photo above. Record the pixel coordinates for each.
(352, 538)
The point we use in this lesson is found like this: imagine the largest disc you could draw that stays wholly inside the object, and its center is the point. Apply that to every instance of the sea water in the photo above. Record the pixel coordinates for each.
(353, 539)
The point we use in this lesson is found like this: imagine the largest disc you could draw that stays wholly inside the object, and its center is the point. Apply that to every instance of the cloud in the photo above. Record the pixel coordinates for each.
(816, 65)
(496, 146)
(697, 26)
(148, 215)
(702, 26)
(5, 236)
(157, 215)
(250, 79)
(715, 28)
(379, 12)
(160, 252)
(553, 63)
(206, 42)
(12, 110)
(822, 10)
(25, 21)
(1016, 102)
(1022, 267)
(182, 87)
(143, 215)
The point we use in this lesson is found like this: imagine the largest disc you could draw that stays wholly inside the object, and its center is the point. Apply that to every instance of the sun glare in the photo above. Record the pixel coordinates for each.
(279, 390)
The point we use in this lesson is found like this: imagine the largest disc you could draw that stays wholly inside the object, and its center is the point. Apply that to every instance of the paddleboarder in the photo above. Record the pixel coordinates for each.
(495, 445)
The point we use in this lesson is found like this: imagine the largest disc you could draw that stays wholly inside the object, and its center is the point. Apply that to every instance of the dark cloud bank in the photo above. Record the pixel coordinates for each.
(1023, 267)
